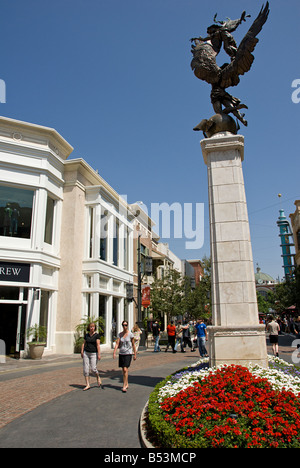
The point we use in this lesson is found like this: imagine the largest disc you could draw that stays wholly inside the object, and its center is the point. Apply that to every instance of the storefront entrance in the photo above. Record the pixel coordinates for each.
(12, 327)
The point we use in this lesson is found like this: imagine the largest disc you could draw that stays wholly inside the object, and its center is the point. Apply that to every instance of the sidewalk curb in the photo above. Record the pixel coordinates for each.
(143, 439)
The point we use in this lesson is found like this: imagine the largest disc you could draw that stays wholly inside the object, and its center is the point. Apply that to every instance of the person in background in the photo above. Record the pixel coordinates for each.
(274, 329)
(171, 330)
(90, 353)
(137, 336)
(179, 337)
(156, 336)
(187, 335)
(202, 337)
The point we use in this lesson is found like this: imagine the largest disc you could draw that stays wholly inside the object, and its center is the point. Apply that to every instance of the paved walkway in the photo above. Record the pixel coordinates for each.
(42, 404)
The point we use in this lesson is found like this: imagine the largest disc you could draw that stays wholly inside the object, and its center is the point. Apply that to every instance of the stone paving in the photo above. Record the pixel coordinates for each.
(47, 396)
(20, 394)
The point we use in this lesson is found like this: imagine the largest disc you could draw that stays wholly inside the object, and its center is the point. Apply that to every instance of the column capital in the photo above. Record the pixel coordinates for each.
(222, 142)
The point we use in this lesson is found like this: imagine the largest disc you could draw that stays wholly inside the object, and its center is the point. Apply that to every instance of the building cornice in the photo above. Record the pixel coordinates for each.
(25, 133)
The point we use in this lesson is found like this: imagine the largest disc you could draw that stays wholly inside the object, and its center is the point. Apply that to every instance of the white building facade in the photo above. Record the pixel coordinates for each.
(66, 242)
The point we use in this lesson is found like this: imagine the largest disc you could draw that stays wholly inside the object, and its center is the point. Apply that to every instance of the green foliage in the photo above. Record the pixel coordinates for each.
(167, 295)
(38, 333)
(229, 408)
(81, 330)
(172, 295)
(165, 434)
(198, 301)
(263, 304)
(286, 294)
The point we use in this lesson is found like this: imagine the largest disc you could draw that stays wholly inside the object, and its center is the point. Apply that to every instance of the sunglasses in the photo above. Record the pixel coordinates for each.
(125, 324)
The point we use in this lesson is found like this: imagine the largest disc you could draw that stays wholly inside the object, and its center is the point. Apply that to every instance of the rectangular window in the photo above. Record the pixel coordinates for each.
(91, 236)
(115, 318)
(15, 212)
(44, 310)
(89, 304)
(7, 293)
(49, 221)
(126, 248)
(116, 243)
(102, 313)
(103, 236)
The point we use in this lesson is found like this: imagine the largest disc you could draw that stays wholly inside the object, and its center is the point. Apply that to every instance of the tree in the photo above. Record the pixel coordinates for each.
(263, 304)
(198, 301)
(286, 294)
(167, 295)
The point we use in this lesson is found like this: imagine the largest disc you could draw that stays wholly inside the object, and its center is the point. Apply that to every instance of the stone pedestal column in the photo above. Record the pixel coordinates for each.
(235, 336)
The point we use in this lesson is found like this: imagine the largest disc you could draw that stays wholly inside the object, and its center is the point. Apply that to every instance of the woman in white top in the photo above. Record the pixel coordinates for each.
(125, 344)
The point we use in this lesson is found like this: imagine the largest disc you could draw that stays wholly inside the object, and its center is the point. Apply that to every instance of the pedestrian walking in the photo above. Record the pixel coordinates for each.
(137, 336)
(202, 337)
(90, 353)
(171, 330)
(125, 344)
(179, 335)
(156, 336)
(274, 329)
(187, 335)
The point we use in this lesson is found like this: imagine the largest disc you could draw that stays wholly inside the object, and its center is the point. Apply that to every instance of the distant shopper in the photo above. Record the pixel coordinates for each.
(90, 353)
(274, 329)
(171, 330)
(187, 335)
(137, 336)
(179, 337)
(156, 336)
(125, 344)
(202, 337)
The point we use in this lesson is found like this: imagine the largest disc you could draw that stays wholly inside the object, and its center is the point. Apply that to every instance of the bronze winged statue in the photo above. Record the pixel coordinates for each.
(205, 67)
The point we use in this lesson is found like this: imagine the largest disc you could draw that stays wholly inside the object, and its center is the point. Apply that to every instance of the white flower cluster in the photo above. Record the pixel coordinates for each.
(187, 379)
(278, 378)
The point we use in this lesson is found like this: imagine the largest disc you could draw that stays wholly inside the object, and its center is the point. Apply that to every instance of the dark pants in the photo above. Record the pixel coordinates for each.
(171, 342)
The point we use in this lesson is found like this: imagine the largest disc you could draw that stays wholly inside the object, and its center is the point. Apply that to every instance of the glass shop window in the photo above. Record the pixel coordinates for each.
(116, 243)
(103, 235)
(15, 212)
(49, 221)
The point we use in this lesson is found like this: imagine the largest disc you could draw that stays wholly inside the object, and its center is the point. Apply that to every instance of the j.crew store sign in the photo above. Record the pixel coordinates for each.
(16, 272)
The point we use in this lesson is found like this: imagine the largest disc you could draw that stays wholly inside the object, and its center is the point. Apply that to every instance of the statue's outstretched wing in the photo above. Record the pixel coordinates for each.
(204, 63)
(244, 58)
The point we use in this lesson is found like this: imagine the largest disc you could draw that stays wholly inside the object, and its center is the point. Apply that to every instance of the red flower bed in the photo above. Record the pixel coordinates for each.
(234, 408)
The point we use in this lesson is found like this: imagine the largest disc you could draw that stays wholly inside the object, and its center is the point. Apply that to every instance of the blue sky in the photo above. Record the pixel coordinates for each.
(114, 79)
